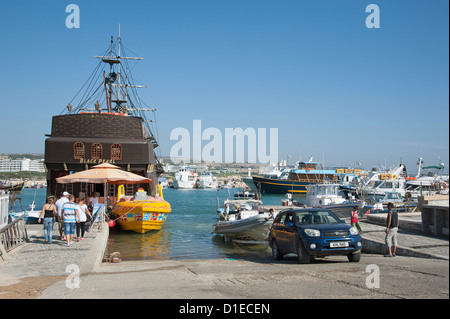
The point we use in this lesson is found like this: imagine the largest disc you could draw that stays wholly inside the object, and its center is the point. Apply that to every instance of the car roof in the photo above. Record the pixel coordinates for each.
(295, 210)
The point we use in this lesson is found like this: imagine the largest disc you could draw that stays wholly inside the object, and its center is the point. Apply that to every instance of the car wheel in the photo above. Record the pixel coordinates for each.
(303, 256)
(354, 258)
(276, 254)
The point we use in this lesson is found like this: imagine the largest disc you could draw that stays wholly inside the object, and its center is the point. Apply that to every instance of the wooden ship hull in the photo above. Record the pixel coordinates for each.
(105, 138)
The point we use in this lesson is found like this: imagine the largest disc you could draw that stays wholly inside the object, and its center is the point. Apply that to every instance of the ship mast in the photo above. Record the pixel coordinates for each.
(110, 79)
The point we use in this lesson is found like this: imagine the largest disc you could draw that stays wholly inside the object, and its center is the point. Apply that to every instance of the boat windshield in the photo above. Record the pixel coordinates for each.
(315, 217)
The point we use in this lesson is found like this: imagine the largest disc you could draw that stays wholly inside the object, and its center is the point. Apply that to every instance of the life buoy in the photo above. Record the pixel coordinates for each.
(443, 185)
(308, 169)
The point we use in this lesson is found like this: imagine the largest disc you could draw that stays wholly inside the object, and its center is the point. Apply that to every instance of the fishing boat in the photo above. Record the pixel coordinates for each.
(296, 180)
(141, 213)
(377, 183)
(207, 180)
(17, 187)
(105, 122)
(185, 179)
(326, 195)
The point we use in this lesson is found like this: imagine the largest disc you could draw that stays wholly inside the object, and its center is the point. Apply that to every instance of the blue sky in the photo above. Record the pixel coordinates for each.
(334, 88)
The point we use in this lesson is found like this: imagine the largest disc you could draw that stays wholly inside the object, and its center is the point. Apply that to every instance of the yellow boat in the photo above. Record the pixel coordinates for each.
(141, 213)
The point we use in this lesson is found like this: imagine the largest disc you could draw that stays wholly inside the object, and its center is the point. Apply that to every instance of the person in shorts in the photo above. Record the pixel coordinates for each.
(391, 231)
(59, 204)
(70, 216)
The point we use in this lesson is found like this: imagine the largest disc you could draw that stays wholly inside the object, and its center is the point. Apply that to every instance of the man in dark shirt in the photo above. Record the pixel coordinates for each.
(391, 231)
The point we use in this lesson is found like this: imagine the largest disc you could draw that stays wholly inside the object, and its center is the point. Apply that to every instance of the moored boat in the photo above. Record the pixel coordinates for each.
(92, 132)
(12, 187)
(255, 227)
(141, 213)
(185, 179)
(207, 180)
(297, 179)
(326, 195)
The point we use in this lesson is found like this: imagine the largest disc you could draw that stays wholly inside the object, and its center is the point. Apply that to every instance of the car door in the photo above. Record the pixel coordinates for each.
(285, 232)
(290, 234)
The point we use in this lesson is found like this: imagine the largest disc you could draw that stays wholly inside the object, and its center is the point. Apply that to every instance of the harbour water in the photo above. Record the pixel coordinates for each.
(27, 195)
(185, 235)
(187, 232)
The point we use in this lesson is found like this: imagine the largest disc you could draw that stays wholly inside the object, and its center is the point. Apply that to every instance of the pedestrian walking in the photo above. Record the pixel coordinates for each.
(84, 213)
(391, 231)
(355, 219)
(59, 204)
(49, 213)
(70, 216)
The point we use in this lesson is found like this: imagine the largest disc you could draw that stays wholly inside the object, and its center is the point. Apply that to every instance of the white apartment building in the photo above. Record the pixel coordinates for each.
(25, 164)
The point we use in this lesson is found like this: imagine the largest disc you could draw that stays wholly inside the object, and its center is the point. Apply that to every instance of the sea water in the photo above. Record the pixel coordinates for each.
(186, 234)
(26, 197)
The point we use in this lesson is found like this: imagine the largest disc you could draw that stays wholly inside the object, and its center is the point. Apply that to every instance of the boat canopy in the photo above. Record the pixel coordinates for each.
(314, 171)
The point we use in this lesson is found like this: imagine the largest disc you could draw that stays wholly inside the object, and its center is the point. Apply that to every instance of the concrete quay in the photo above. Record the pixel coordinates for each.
(411, 241)
(418, 256)
(36, 258)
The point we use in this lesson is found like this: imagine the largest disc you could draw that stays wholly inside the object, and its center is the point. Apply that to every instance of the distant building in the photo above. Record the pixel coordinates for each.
(18, 165)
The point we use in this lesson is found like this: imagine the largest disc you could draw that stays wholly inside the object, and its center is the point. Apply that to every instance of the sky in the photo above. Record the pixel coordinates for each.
(334, 88)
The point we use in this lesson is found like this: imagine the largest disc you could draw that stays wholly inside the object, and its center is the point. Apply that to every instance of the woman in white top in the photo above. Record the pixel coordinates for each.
(83, 210)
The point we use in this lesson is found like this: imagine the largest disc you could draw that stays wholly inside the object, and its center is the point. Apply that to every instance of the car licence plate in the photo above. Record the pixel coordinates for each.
(339, 244)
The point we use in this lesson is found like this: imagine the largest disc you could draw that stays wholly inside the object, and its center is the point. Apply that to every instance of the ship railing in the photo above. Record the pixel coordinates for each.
(12, 235)
(98, 217)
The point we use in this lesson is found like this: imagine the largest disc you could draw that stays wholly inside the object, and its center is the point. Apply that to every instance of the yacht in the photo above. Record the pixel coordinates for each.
(207, 180)
(326, 195)
(185, 179)
(378, 183)
(430, 184)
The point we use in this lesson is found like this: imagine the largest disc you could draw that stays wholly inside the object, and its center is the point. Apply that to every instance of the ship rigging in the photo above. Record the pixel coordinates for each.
(104, 122)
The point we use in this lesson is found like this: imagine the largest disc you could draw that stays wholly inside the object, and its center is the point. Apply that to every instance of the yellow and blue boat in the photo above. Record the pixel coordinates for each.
(141, 213)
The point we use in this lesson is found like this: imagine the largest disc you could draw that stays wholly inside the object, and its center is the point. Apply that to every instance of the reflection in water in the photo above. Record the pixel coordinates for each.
(187, 232)
(132, 245)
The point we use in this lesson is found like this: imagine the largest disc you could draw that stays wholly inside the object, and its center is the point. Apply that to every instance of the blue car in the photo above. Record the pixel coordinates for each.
(311, 233)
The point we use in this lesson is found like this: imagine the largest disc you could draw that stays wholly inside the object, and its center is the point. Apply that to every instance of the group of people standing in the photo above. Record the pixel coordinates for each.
(70, 216)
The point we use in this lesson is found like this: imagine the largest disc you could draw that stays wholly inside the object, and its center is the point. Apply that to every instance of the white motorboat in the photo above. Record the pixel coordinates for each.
(30, 216)
(400, 204)
(207, 180)
(254, 227)
(185, 178)
(378, 183)
(430, 184)
(326, 195)
(245, 204)
(242, 217)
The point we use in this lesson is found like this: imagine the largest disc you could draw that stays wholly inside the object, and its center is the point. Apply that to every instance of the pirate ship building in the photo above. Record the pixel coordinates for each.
(107, 124)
